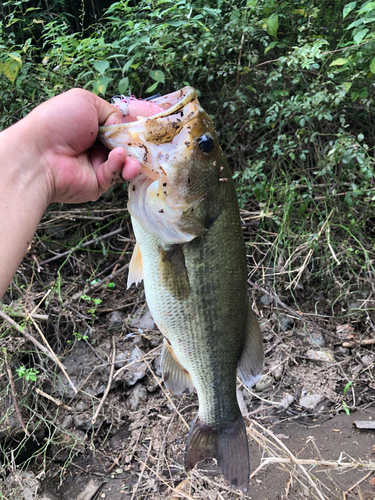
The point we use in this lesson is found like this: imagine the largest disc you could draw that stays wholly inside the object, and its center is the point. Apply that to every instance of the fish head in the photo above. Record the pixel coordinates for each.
(174, 197)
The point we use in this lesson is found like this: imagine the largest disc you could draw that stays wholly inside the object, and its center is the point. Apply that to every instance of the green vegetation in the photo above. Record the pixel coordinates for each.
(289, 85)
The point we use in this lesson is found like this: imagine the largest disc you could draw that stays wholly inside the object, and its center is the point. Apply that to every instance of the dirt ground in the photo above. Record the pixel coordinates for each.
(95, 420)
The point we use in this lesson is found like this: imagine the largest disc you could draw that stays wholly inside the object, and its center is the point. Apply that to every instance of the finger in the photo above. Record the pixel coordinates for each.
(117, 168)
(131, 169)
(107, 114)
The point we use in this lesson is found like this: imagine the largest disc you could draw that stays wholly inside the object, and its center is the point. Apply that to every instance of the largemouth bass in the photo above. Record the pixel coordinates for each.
(190, 252)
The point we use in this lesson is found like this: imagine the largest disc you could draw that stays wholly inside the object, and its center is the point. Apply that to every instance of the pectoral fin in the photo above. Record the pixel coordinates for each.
(135, 267)
(173, 272)
(251, 363)
(176, 378)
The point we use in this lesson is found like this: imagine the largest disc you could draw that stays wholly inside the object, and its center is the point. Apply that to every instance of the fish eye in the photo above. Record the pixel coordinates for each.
(206, 144)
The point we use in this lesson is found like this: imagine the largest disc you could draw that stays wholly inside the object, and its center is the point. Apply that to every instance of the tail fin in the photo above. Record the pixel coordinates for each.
(227, 444)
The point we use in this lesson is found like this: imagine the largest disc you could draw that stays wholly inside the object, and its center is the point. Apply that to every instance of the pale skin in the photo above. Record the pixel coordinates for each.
(51, 156)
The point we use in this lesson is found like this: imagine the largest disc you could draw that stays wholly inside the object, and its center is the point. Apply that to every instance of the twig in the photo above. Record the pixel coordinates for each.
(27, 335)
(56, 359)
(291, 459)
(295, 314)
(142, 471)
(308, 257)
(109, 382)
(184, 495)
(14, 396)
(84, 245)
(358, 482)
(354, 343)
(56, 401)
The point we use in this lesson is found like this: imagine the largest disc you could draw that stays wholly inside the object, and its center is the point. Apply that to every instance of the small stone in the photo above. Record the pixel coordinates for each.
(67, 422)
(276, 369)
(264, 383)
(137, 395)
(265, 300)
(152, 385)
(156, 365)
(353, 306)
(310, 401)
(284, 323)
(287, 401)
(343, 350)
(137, 371)
(116, 319)
(121, 359)
(317, 338)
(368, 359)
(144, 322)
(318, 355)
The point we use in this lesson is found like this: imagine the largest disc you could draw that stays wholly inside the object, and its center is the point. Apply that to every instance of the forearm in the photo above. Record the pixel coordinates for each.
(23, 198)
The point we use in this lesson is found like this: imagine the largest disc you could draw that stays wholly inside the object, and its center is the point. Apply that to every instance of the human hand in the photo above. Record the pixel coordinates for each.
(63, 133)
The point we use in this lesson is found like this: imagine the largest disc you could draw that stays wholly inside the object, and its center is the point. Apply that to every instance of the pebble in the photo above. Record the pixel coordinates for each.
(116, 319)
(310, 401)
(121, 359)
(145, 321)
(67, 422)
(284, 323)
(264, 383)
(314, 338)
(317, 338)
(287, 401)
(343, 350)
(265, 300)
(135, 372)
(368, 359)
(277, 369)
(318, 355)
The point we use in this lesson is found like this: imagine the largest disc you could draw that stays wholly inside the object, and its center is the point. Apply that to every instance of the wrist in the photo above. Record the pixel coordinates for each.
(23, 198)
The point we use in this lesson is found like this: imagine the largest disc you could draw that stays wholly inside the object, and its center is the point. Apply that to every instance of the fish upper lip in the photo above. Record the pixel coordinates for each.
(187, 95)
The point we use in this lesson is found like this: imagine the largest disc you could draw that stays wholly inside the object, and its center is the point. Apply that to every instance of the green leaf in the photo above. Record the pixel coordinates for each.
(358, 37)
(176, 24)
(372, 66)
(349, 384)
(123, 85)
(11, 69)
(348, 8)
(339, 62)
(273, 25)
(100, 86)
(101, 66)
(157, 75)
(16, 56)
(152, 87)
(270, 46)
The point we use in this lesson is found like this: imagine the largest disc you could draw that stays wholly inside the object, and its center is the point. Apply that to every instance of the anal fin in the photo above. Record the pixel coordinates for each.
(251, 362)
(176, 378)
(227, 444)
(135, 267)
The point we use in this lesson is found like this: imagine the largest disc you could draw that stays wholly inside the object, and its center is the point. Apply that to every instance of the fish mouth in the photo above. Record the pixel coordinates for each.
(173, 104)
(163, 144)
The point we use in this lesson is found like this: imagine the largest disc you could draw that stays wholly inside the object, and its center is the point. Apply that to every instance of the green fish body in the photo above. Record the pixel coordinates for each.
(191, 255)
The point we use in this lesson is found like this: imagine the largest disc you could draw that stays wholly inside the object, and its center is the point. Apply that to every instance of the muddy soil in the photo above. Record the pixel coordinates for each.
(103, 425)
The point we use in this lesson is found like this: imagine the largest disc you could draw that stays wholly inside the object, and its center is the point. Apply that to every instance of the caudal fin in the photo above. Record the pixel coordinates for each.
(228, 445)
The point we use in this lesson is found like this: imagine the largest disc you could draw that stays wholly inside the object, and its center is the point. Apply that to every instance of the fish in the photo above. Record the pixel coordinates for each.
(190, 253)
